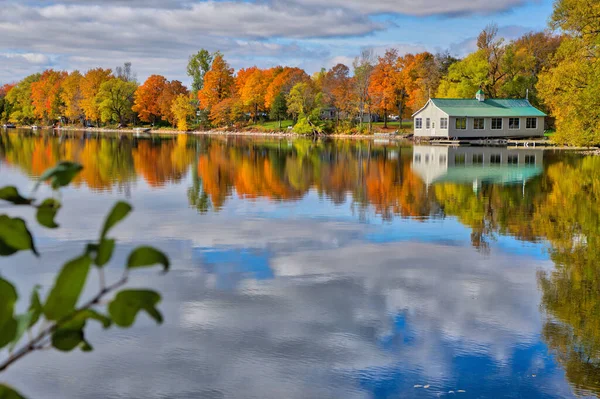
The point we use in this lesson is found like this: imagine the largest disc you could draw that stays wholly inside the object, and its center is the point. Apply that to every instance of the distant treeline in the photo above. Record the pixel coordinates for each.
(559, 72)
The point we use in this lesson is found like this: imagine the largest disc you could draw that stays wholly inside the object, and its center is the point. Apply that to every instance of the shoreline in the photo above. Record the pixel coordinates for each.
(595, 151)
(255, 133)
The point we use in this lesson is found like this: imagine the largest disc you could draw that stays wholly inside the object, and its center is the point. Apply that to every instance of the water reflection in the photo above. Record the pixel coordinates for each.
(287, 270)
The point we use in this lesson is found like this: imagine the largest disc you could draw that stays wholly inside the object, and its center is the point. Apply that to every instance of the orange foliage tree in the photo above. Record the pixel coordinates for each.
(384, 84)
(147, 97)
(45, 95)
(337, 87)
(283, 82)
(171, 91)
(218, 83)
(253, 92)
(90, 86)
(71, 96)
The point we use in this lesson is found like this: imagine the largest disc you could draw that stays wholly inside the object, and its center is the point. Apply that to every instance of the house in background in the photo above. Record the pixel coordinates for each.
(478, 118)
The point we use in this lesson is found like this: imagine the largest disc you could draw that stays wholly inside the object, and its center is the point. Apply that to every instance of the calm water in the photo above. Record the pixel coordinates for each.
(328, 269)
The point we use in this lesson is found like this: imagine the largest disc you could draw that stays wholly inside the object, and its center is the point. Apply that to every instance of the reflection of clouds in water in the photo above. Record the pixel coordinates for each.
(339, 317)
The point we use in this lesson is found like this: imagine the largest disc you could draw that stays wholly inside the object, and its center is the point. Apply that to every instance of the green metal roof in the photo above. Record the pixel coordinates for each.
(490, 107)
(479, 91)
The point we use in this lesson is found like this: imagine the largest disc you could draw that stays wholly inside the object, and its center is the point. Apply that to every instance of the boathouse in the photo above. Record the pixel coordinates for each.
(451, 118)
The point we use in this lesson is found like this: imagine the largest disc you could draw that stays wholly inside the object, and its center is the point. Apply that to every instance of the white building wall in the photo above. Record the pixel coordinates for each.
(435, 131)
(435, 115)
(489, 132)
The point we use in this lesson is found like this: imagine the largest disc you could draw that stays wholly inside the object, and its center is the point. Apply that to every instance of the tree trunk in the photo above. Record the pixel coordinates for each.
(385, 116)
(279, 123)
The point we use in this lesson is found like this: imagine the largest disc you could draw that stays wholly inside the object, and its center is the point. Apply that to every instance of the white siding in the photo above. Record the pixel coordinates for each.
(435, 115)
(489, 132)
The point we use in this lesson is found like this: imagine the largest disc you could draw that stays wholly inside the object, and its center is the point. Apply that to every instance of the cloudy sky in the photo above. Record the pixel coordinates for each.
(158, 36)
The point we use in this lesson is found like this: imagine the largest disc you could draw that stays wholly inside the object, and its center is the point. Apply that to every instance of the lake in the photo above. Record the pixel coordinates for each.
(327, 269)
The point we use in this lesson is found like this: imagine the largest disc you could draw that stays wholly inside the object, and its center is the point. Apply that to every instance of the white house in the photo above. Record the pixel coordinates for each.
(478, 118)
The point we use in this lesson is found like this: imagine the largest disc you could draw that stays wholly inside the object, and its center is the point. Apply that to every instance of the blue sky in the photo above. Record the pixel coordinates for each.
(158, 36)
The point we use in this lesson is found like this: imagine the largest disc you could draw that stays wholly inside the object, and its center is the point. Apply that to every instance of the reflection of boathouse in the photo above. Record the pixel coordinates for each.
(476, 165)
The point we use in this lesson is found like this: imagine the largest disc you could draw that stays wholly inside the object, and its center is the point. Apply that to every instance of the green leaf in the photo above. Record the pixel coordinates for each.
(66, 291)
(147, 256)
(72, 335)
(23, 322)
(46, 213)
(8, 324)
(118, 213)
(66, 340)
(104, 251)
(60, 175)
(7, 392)
(35, 306)
(14, 236)
(11, 194)
(124, 308)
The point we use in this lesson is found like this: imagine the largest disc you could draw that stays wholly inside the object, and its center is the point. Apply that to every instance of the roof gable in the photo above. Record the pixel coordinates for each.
(490, 107)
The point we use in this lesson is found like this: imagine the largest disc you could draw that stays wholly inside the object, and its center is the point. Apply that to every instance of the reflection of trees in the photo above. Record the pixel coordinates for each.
(569, 217)
(109, 161)
(336, 170)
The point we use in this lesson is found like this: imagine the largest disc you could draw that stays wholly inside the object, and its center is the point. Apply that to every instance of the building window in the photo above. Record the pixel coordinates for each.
(427, 123)
(478, 123)
(417, 158)
(496, 123)
(530, 159)
(419, 123)
(433, 125)
(496, 158)
(514, 123)
(461, 123)
(531, 123)
(442, 159)
(427, 158)
(444, 123)
(459, 159)
(513, 159)
(477, 159)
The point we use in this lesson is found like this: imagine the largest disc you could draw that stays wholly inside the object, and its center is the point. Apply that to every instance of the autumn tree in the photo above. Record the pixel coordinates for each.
(227, 112)
(115, 100)
(5, 107)
(171, 91)
(46, 95)
(571, 87)
(147, 96)
(253, 92)
(338, 89)
(71, 96)
(218, 83)
(182, 110)
(384, 83)
(198, 65)
(90, 86)
(19, 101)
(283, 82)
(303, 99)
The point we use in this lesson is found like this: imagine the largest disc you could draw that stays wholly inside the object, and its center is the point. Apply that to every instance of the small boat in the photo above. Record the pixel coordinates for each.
(34, 127)
(142, 129)
(9, 126)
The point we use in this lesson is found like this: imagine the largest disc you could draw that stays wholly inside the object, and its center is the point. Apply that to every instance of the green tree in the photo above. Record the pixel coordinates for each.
(571, 88)
(59, 320)
(115, 99)
(198, 65)
(21, 102)
(279, 108)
